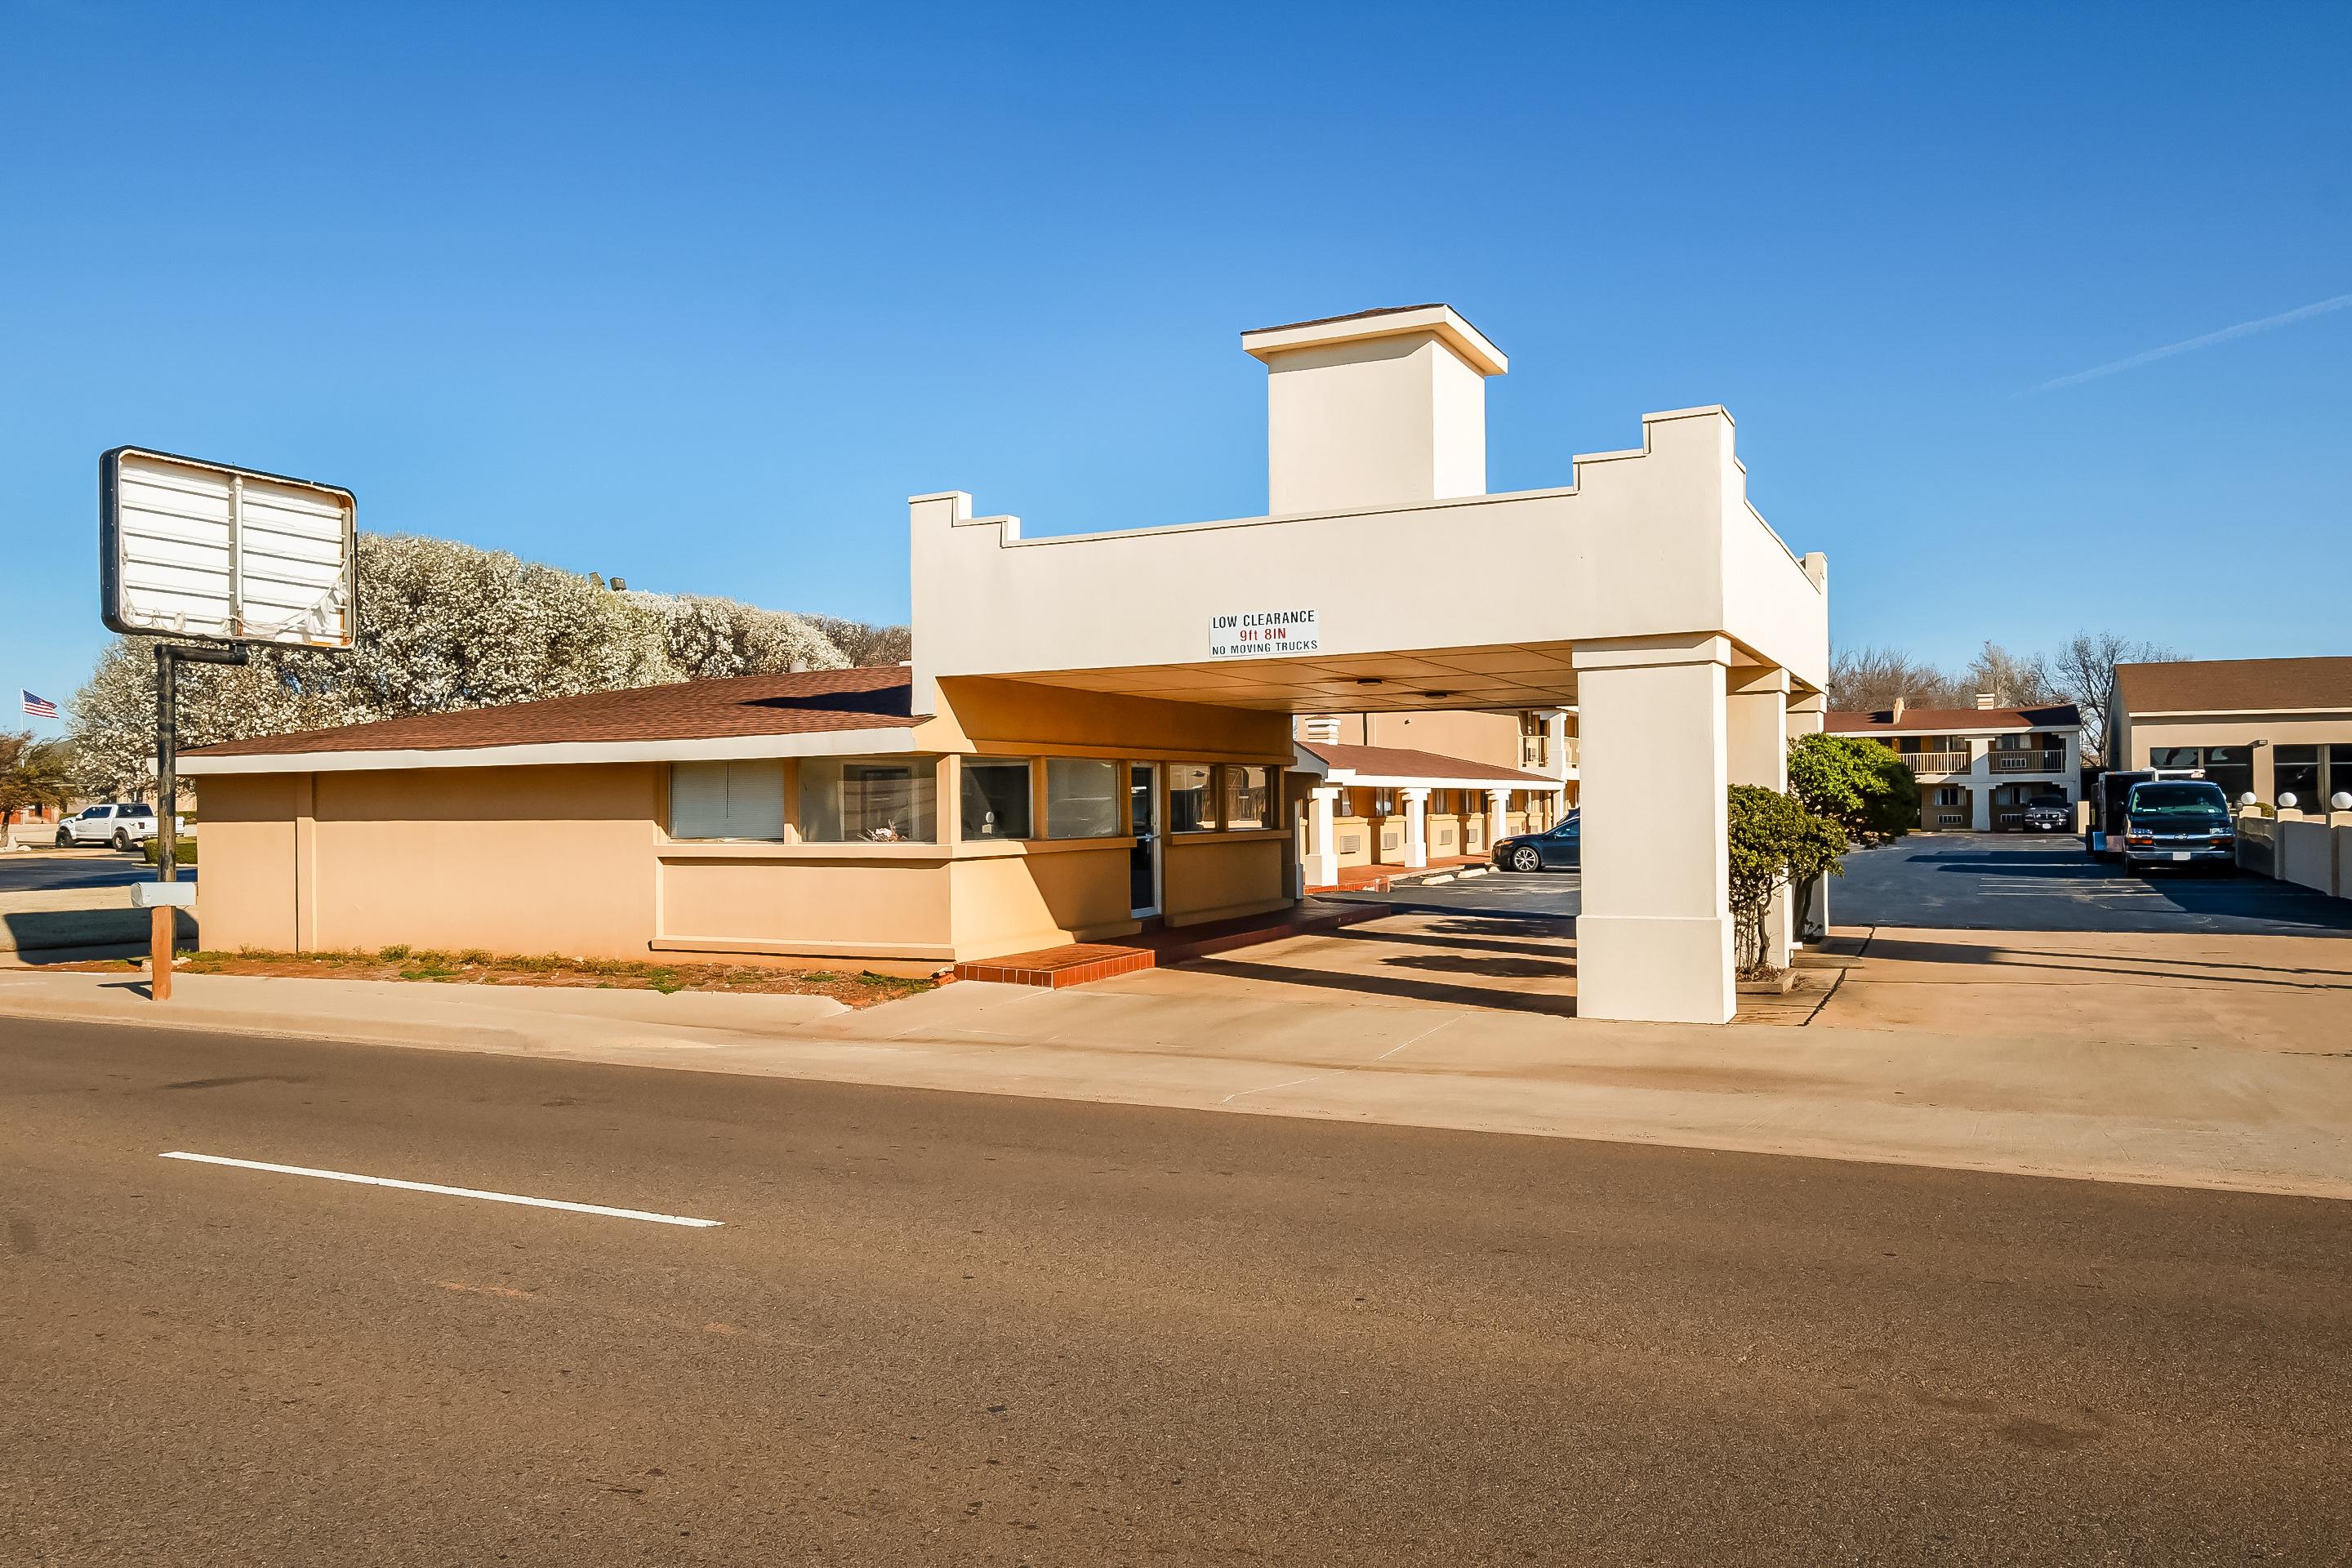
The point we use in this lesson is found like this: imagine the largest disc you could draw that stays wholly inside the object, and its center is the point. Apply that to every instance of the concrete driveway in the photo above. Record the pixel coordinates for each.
(2006, 881)
(1540, 895)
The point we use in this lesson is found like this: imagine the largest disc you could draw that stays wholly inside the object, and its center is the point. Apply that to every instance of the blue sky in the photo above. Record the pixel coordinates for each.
(698, 295)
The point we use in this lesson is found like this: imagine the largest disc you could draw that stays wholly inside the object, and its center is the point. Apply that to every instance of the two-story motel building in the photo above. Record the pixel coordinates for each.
(1084, 741)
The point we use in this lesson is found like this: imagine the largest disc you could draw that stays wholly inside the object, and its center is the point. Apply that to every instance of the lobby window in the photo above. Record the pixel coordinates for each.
(995, 798)
(2231, 767)
(1947, 794)
(1081, 798)
(1249, 794)
(727, 800)
(1192, 808)
(2295, 771)
(2175, 757)
(1383, 803)
(869, 800)
(1344, 805)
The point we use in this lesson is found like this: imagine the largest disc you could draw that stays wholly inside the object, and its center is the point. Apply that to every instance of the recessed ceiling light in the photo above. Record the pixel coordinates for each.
(1368, 680)
(1437, 694)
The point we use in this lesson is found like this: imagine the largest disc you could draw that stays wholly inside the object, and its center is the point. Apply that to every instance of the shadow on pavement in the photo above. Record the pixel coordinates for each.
(1392, 985)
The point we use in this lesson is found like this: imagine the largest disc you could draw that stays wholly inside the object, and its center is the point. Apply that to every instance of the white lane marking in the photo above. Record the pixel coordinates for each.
(445, 1192)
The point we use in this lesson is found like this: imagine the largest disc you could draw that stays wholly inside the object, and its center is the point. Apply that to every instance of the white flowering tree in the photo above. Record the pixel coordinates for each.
(446, 625)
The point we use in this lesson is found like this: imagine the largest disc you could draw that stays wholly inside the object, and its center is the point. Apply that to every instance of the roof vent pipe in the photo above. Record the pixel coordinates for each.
(1898, 711)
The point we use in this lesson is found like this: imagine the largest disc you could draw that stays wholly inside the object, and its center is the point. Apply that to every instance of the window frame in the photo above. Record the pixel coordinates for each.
(967, 767)
(1121, 780)
(923, 771)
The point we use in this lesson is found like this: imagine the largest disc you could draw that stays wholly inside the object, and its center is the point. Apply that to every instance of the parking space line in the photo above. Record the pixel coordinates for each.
(445, 1192)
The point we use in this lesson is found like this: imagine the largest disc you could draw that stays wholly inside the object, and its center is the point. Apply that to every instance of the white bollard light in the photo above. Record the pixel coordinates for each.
(2340, 801)
(2247, 798)
(2287, 802)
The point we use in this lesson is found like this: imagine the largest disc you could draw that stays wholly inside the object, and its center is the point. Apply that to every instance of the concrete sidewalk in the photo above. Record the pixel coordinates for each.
(2177, 1111)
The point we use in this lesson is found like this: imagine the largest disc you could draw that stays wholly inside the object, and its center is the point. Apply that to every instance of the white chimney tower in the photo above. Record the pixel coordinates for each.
(1380, 408)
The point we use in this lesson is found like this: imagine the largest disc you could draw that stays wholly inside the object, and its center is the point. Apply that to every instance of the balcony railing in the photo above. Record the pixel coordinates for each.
(2027, 761)
(1535, 754)
(1924, 762)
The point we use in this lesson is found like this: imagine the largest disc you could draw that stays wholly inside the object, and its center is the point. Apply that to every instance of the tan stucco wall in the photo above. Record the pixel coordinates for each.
(1053, 894)
(528, 859)
(1220, 876)
(247, 873)
(1476, 737)
(807, 901)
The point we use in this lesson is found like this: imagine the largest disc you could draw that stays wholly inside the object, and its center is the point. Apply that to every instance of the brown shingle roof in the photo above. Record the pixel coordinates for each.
(2234, 685)
(1397, 762)
(1937, 720)
(691, 710)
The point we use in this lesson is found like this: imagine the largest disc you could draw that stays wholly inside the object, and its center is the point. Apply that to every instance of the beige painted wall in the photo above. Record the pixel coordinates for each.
(1221, 876)
(1053, 894)
(875, 901)
(247, 877)
(1475, 737)
(1656, 540)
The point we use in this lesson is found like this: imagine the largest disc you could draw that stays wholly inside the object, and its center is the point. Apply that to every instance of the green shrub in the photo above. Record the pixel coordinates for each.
(1856, 782)
(1775, 843)
(185, 855)
(394, 953)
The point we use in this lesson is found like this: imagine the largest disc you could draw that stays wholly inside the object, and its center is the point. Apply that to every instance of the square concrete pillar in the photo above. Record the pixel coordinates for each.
(1498, 801)
(1416, 828)
(1321, 867)
(1755, 719)
(1980, 785)
(1655, 940)
(1808, 715)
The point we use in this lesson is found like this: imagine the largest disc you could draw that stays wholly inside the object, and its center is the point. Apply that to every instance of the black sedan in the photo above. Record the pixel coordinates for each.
(1554, 849)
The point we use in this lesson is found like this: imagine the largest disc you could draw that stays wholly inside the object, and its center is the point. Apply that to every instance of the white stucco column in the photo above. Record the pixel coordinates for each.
(1655, 940)
(1556, 744)
(1416, 828)
(1498, 801)
(1755, 725)
(1980, 783)
(1808, 715)
(1321, 867)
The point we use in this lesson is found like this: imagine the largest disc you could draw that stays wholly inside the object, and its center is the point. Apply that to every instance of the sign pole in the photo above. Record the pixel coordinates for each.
(163, 935)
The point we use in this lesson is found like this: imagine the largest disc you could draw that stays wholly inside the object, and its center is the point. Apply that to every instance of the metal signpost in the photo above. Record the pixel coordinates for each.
(190, 548)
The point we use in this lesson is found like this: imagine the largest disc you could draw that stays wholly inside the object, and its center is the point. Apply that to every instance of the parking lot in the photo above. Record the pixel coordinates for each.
(52, 870)
(2006, 881)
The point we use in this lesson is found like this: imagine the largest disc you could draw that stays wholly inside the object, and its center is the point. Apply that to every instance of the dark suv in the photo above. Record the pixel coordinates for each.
(2048, 813)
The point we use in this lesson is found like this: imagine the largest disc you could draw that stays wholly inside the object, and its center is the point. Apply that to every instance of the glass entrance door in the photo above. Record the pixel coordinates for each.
(1143, 860)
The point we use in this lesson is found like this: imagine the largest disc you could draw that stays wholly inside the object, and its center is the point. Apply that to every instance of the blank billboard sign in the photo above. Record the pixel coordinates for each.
(189, 548)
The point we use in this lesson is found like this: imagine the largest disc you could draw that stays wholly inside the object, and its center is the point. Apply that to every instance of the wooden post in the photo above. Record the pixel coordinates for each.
(159, 963)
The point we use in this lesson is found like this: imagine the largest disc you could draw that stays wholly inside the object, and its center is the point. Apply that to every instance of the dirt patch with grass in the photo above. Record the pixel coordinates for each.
(475, 967)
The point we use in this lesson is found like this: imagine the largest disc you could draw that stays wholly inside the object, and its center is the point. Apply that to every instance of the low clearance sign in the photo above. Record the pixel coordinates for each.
(1263, 634)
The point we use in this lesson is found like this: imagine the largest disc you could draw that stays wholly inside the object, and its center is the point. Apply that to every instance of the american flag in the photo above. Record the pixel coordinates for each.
(38, 706)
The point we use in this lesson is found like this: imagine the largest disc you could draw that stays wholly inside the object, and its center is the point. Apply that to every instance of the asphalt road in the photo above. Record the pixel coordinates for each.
(966, 1329)
(38, 873)
(2008, 882)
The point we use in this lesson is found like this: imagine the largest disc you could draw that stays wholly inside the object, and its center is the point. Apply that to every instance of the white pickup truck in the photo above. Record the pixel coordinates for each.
(121, 825)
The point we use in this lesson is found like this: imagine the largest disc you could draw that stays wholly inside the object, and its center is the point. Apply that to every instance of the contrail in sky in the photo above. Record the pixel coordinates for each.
(2242, 330)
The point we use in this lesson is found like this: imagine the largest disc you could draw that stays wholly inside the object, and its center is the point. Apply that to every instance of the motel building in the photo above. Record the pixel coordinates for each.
(1405, 792)
(1979, 768)
(1103, 730)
